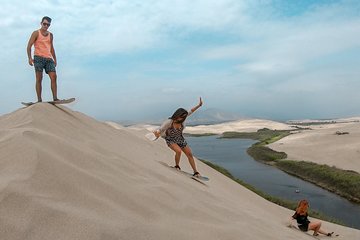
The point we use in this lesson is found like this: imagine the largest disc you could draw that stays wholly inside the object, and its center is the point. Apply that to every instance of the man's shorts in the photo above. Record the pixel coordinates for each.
(41, 63)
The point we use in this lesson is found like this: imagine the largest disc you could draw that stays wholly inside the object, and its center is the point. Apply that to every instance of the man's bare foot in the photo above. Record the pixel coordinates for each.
(39, 100)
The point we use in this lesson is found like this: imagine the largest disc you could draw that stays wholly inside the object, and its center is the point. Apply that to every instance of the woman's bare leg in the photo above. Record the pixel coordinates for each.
(177, 151)
(188, 153)
(315, 226)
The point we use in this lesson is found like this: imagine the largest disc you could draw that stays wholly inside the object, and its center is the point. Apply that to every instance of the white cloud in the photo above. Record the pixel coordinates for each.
(101, 27)
(253, 48)
(289, 44)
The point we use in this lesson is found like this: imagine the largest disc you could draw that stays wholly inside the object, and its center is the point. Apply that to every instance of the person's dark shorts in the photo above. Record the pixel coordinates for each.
(41, 63)
(304, 227)
(181, 144)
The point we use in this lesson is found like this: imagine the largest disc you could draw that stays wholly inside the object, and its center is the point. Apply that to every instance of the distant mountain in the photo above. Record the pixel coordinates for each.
(323, 121)
(212, 116)
(200, 117)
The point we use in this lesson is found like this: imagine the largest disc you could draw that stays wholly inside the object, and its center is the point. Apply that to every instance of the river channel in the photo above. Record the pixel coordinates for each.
(231, 154)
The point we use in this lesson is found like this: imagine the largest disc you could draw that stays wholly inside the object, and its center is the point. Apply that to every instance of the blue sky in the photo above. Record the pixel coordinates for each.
(140, 60)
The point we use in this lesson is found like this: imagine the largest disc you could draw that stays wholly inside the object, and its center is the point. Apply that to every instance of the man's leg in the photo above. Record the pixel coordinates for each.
(53, 78)
(38, 85)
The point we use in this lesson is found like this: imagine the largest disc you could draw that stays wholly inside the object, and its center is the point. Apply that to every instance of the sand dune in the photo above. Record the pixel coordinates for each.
(64, 175)
(248, 125)
(245, 125)
(322, 145)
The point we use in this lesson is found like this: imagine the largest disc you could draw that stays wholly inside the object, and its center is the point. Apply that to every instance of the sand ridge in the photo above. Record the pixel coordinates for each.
(323, 145)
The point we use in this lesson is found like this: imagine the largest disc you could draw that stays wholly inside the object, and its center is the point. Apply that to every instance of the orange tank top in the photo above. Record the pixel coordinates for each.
(43, 46)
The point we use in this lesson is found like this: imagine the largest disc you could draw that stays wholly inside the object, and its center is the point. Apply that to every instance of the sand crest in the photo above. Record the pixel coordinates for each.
(332, 144)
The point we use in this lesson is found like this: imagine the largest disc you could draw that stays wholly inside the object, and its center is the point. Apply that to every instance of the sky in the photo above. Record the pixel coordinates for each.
(142, 59)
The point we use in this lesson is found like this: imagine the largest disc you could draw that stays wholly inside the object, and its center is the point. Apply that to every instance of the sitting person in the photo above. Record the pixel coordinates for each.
(303, 222)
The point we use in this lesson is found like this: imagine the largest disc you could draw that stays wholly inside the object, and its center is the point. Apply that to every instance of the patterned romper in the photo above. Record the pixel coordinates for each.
(174, 135)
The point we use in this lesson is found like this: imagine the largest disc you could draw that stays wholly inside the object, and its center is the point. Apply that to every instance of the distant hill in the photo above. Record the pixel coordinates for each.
(200, 117)
(212, 116)
(322, 121)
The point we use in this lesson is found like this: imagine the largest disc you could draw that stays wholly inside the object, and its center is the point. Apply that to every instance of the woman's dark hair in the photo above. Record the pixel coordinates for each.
(46, 18)
(180, 112)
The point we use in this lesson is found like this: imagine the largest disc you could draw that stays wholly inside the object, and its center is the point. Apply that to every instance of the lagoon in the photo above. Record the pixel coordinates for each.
(231, 154)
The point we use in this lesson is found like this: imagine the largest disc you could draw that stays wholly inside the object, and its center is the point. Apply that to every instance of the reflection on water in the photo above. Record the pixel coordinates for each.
(231, 154)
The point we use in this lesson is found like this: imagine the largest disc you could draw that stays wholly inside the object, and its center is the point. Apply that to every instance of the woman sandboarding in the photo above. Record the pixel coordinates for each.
(172, 130)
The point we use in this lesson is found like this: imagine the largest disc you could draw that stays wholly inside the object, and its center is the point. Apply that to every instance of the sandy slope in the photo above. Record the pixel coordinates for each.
(64, 175)
(322, 145)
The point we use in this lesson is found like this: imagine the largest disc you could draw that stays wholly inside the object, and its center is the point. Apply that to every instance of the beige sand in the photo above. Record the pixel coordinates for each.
(248, 125)
(322, 145)
(64, 175)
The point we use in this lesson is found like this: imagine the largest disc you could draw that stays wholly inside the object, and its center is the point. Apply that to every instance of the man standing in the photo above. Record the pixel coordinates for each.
(44, 57)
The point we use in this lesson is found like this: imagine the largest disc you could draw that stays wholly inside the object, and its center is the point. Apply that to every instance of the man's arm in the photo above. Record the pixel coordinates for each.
(32, 39)
(52, 48)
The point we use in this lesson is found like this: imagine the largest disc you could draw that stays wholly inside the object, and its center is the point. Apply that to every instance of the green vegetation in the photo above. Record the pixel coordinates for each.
(314, 123)
(265, 154)
(263, 135)
(320, 122)
(285, 203)
(342, 182)
(258, 150)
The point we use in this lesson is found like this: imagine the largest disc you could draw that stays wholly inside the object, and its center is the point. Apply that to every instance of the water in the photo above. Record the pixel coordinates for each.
(231, 154)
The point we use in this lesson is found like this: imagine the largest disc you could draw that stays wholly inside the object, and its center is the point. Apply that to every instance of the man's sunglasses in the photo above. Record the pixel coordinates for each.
(46, 24)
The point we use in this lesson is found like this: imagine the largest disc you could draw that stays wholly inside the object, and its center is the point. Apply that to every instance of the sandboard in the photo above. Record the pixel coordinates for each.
(319, 237)
(202, 178)
(151, 136)
(63, 101)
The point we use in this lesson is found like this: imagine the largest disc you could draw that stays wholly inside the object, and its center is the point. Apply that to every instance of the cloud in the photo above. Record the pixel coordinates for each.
(229, 51)
(103, 27)
(290, 43)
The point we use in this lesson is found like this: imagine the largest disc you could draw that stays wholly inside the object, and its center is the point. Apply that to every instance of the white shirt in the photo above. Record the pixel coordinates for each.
(168, 124)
